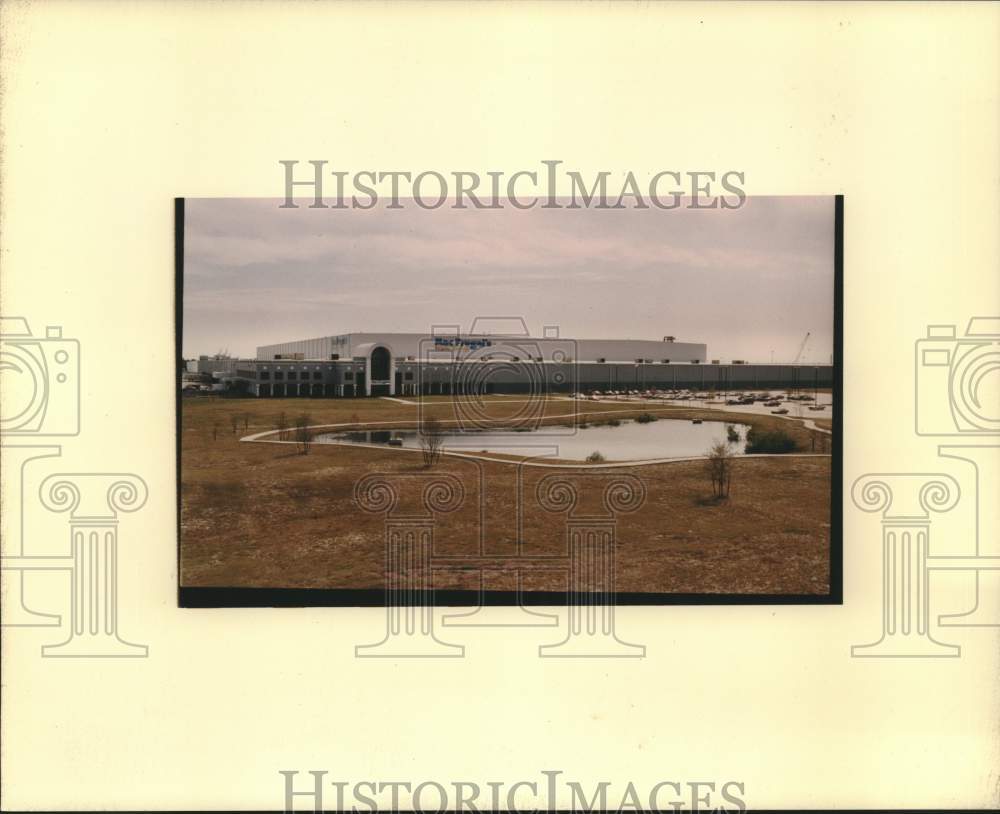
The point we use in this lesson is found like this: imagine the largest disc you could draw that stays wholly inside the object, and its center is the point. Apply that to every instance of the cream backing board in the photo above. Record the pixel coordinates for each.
(111, 110)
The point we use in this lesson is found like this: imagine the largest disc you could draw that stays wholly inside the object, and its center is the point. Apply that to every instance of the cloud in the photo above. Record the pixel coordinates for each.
(743, 279)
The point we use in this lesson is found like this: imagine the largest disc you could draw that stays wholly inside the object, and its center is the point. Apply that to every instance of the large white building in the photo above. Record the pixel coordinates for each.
(453, 346)
(410, 363)
(449, 361)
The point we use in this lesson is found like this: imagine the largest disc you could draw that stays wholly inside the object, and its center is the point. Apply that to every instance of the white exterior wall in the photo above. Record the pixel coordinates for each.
(417, 345)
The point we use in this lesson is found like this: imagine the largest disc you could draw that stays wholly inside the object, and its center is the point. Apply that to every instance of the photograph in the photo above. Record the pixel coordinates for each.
(505, 406)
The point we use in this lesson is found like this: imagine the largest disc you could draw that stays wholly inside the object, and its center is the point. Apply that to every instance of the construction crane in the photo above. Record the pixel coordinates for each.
(795, 387)
(802, 347)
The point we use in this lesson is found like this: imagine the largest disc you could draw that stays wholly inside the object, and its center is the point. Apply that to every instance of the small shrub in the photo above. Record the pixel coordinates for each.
(645, 418)
(773, 442)
(281, 425)
(303, 433)
(595, 457)
(431, 441)
(732, 434)
(612, 422)
(719, 467)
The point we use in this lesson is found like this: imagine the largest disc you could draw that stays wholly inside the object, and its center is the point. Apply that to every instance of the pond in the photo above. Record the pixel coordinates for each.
(630, 441)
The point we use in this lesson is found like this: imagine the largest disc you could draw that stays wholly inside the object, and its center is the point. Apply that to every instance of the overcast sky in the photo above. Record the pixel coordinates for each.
(746, 282)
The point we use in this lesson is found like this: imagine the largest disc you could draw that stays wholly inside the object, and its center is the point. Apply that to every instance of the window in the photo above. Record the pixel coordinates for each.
(265, 375)
(292, 376)
(278, 376)
(408, 375)
(317, 375)
(348, 375)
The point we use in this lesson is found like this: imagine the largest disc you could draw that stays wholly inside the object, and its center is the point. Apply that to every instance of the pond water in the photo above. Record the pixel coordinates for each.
(631, 441)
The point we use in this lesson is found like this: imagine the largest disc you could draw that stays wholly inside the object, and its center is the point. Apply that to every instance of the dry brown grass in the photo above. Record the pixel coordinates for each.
(263, 515)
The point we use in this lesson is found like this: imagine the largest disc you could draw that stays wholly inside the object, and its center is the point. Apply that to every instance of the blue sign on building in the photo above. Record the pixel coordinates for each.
(441, 342)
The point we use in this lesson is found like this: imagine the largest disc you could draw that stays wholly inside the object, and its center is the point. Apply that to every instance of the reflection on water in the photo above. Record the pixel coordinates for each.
(631, 441)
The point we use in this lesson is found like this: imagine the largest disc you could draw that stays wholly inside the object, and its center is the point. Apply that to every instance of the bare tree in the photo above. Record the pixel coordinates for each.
(303, 435)
(235, 421)
(246, 422)
(431, 441)
(719, 466)
(281, 425)
(215, 431)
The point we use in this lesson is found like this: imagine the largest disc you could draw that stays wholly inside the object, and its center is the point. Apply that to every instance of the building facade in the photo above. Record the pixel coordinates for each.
(410, 364)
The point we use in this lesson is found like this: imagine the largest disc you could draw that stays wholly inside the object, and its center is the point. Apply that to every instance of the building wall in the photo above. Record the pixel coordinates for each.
(346, 378)
(424, 346)
(216, 365)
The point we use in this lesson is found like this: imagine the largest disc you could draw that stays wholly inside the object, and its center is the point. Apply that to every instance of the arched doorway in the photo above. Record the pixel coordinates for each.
(381, 371)
(381, 362)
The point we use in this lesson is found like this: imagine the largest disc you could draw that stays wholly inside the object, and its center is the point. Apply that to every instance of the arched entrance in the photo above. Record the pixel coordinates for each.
(378, 376)
(381, 362)
(380, 371)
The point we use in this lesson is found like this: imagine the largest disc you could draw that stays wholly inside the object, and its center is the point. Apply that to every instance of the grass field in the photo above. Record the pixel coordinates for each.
(265, 515)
